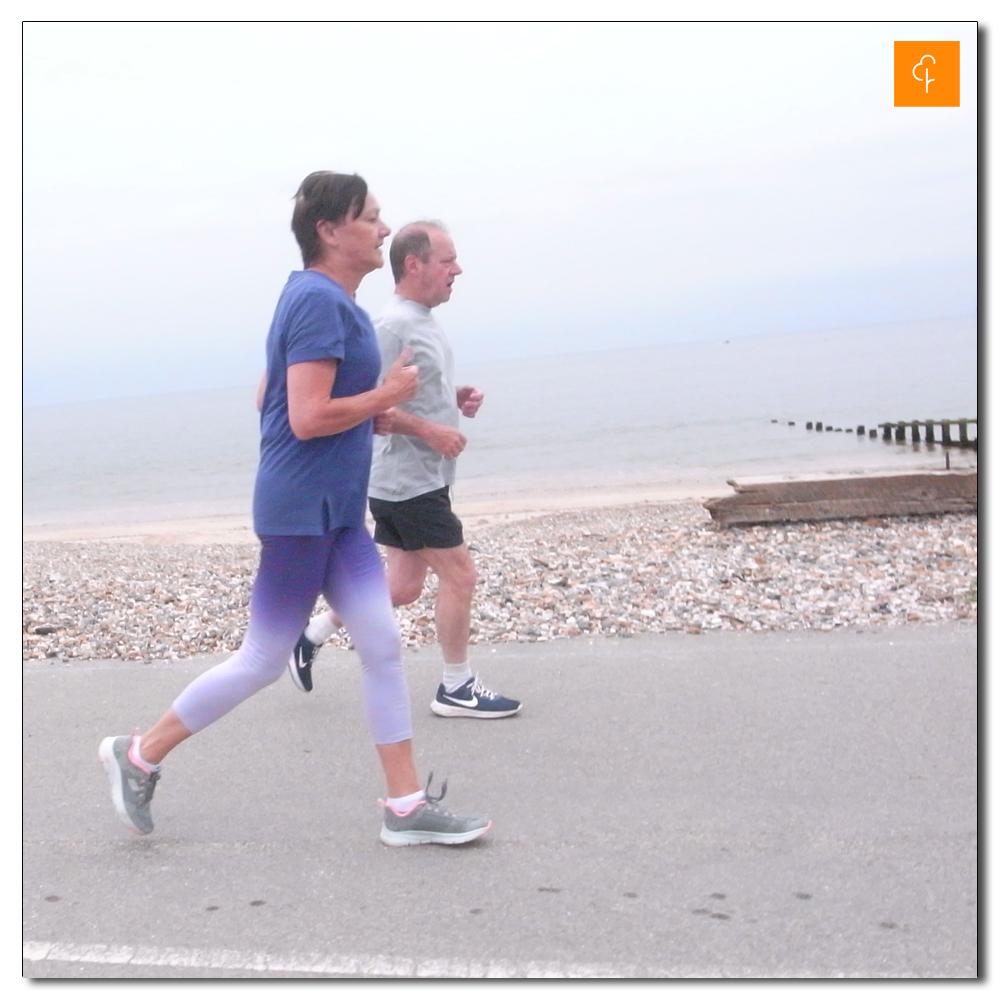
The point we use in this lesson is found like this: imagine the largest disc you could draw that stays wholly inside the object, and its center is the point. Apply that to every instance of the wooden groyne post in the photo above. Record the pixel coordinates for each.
(918, 430)
(898, 429)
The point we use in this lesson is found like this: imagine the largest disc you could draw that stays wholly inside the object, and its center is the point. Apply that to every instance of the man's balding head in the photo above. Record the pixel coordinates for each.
(414, 238)
(424, 263)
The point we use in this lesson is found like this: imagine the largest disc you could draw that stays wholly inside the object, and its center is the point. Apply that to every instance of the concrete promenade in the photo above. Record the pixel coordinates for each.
(719, 805)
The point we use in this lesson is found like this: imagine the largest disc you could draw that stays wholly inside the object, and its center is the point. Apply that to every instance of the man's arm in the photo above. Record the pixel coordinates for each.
(446, 440)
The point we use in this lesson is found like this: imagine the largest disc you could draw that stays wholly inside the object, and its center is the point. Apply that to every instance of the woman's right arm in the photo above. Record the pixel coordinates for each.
(313, 413)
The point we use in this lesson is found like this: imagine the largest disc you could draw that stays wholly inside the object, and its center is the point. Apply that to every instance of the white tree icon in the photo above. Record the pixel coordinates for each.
(926, 79)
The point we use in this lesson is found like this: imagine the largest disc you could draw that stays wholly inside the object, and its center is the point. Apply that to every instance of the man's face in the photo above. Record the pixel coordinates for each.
(360, 239)
(433, 279)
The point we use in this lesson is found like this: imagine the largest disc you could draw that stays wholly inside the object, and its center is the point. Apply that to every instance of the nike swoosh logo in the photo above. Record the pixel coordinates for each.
(463, 701)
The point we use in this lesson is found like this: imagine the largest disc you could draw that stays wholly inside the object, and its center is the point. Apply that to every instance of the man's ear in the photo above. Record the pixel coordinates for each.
(412, 263)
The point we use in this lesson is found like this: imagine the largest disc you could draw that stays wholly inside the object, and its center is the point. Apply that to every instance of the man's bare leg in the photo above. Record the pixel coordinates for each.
(456, 573)
(406, 574)
(457, 577)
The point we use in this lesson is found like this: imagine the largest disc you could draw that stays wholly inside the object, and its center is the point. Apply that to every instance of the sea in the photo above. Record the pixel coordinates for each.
(671, 414)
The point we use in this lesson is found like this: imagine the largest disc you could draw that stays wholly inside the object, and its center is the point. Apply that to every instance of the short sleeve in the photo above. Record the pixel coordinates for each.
(317, 330)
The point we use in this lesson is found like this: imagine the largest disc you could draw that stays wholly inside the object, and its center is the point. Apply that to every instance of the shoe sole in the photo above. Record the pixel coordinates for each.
(411, 838)
(106, 753)
(456, 711)
(296, 679)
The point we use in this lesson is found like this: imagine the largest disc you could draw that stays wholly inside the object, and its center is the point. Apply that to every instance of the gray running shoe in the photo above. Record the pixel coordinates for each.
(428, 823)
(131, 786)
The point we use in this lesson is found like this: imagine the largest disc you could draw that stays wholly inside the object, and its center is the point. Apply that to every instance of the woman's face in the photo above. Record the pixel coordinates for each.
(358, 242)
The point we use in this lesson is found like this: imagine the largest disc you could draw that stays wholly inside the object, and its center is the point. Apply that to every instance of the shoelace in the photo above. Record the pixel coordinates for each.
(148, 785)
(143, 784)
(477, 688)
(434, 800)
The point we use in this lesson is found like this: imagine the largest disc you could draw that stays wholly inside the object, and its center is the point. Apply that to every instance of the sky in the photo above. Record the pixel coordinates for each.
(607, 185)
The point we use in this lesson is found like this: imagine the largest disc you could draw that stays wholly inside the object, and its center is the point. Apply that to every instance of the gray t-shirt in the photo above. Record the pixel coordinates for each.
(404, 467)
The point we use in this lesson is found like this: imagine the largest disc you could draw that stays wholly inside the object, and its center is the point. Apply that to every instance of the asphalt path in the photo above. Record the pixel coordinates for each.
(727, 804)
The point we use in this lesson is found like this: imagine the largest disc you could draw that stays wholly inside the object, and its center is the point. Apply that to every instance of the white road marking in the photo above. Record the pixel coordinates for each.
(330, 965)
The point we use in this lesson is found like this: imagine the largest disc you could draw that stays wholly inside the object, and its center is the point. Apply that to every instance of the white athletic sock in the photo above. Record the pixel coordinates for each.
(138, 757)
(320, 628)
(405, 802)
(455, 675)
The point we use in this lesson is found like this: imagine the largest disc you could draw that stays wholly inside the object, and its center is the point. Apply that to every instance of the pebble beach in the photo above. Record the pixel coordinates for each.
(608, 571)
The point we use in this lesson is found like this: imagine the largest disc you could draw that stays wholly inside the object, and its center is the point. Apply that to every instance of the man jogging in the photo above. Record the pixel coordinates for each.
(413, 469)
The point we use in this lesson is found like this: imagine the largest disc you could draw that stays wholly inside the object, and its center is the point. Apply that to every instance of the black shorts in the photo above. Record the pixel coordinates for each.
(423, 522)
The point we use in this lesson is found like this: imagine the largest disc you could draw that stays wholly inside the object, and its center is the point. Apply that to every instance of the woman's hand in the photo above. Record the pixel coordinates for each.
(401, 380)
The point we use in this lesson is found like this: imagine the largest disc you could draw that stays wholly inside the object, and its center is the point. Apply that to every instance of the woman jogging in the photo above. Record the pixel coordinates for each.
(319, 399)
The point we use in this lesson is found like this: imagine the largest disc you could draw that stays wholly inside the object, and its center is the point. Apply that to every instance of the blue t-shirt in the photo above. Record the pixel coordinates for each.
(310, 487)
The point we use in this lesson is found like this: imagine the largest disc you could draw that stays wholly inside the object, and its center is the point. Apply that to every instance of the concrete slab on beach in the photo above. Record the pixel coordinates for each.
(719, 805)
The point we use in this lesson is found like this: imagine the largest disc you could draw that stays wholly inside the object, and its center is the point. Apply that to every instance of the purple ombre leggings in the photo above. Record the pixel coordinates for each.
(344, 566)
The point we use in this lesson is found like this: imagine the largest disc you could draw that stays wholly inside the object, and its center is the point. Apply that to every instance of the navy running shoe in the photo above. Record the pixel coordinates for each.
(473, 701)
(301, 661)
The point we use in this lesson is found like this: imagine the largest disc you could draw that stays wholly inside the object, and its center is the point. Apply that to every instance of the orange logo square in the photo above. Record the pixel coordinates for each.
(925, 75)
